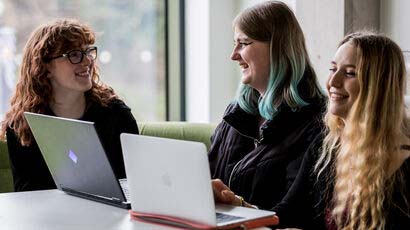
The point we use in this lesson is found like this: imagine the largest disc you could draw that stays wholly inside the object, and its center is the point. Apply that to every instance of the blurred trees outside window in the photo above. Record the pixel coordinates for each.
(130, 40)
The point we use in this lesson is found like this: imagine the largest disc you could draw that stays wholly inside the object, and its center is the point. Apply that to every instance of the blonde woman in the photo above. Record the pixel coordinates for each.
(357, 178)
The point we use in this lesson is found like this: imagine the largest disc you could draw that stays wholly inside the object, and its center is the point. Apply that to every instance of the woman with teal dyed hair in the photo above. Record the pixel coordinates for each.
(258, 147)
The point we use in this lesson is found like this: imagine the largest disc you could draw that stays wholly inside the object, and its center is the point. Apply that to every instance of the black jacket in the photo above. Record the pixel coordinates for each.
(29, 169)
(262, 167)
(306, 203)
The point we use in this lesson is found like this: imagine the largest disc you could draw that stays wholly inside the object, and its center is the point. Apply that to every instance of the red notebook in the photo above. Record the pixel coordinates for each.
(187, 224)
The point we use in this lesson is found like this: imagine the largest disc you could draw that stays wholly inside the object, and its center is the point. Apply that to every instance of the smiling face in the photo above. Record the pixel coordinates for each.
(343, 85)
(254, 59)
(71, 78)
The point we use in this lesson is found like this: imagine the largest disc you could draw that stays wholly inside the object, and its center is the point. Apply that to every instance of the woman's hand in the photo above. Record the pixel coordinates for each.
(222, 193)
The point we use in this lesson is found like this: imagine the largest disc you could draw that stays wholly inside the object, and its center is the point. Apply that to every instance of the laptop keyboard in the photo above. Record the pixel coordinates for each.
(222, 217)
(124, 187)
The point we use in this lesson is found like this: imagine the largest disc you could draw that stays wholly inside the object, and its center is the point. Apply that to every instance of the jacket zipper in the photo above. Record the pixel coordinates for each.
(233, 170)
(258, 141)
(255, 141)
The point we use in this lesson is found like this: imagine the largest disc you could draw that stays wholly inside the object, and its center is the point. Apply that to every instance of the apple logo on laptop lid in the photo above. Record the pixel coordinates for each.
(72, 156)
(166, 180)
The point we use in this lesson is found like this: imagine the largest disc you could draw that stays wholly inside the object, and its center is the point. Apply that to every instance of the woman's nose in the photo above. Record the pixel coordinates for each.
(87, 59)
(235, 55)
(336, 79)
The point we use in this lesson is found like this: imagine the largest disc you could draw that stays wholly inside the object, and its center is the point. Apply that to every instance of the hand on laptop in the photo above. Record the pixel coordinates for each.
(222, 194)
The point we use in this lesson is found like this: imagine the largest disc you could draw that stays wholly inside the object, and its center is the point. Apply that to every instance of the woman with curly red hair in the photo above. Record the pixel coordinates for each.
(59, 77)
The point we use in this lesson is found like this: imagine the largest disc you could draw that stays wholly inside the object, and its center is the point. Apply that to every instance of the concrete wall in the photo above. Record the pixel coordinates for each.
(363, 14)
(247, 3)
(323, 25)
(394, 23)
(223, 71)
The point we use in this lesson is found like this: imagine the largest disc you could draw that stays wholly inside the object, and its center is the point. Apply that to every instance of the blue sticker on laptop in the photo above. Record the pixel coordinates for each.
(72, 156)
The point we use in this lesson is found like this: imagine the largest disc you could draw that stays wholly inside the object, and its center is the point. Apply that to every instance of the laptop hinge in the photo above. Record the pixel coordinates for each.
(112, 201)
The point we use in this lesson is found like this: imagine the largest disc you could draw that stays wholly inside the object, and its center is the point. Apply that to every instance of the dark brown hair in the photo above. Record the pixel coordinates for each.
(275, 23)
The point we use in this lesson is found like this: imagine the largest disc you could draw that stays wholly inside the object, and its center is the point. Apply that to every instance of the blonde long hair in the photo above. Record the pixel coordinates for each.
(33, 91)
(364, 147)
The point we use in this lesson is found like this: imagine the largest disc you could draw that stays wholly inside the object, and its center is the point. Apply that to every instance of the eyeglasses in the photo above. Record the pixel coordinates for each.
(77, 56)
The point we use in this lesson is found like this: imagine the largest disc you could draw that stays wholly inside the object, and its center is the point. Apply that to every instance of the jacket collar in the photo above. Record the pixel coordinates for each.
(243, 122)
(285, 122)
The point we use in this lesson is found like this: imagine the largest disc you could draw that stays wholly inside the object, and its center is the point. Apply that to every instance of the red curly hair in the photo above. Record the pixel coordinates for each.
(33, 91)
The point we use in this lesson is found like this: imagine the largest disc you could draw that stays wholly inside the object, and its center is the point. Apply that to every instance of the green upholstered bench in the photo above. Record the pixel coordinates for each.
(199, 132)
(176, 130)
(6, 181)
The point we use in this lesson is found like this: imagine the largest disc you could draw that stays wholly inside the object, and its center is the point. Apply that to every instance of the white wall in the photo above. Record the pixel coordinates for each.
(197, 61)
(395, 24)
(211, 75)
(247, 3)
(322, 22)
(223, 77)
(395, 21)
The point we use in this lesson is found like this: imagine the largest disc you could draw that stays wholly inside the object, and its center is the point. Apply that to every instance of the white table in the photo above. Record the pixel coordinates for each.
(53, 209)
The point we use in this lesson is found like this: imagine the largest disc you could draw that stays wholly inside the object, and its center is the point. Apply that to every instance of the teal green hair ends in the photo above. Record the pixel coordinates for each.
(281, 89)
(247, 98)
(292, 80)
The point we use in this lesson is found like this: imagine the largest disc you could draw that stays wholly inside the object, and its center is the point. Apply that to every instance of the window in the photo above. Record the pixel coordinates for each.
(130, 40)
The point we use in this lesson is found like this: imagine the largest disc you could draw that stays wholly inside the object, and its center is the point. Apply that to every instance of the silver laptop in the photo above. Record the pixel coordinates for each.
(172, 178)
(76, 159)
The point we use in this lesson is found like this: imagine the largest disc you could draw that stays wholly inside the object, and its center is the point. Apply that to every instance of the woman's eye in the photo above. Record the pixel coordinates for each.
(351, 74)
(242, 44)
(75, 54)
(332, 70)
(245, 43)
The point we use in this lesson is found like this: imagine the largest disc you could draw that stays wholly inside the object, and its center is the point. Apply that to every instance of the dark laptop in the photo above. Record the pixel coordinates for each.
(76, 159)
